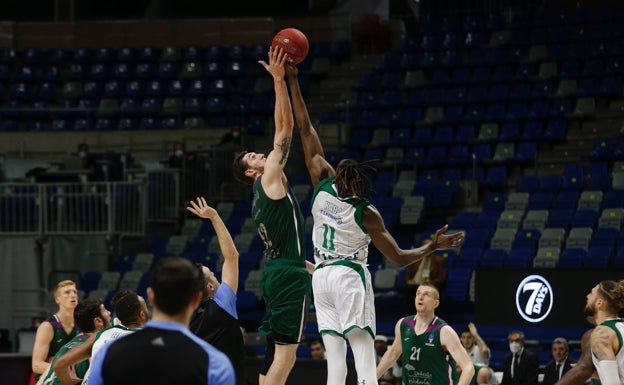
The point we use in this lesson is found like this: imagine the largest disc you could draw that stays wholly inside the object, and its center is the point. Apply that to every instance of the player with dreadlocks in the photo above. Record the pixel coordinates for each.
(345, 222)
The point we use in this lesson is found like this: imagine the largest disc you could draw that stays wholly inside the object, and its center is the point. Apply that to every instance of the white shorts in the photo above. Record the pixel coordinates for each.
(344, 299)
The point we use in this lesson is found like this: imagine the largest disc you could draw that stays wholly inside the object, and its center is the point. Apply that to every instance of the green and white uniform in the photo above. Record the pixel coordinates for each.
(285, 280)
(80, 368)
(617, 325)
(425, 362)
(105, 336)
(343, 293)
(477, 367)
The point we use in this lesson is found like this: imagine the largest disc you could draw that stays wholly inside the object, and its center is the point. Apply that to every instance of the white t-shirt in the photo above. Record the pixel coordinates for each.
(477, 357)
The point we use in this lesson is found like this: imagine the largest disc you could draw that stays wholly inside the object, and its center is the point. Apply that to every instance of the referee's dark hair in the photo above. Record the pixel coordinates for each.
(174, 281)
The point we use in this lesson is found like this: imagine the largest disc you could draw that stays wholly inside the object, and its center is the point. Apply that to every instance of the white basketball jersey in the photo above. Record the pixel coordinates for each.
(338, 232)
(617, 325)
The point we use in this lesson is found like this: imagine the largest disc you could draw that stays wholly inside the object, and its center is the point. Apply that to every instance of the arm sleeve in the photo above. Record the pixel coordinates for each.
(220, 370)
(226, 299)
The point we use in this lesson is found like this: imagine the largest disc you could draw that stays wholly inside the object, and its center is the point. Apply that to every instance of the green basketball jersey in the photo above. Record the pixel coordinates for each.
(425, 362)
(61, 337)
(81, 367)
(280, 225)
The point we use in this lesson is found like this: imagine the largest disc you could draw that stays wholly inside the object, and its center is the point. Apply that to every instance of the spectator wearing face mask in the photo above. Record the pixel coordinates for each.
(176, 159)
(520, 366)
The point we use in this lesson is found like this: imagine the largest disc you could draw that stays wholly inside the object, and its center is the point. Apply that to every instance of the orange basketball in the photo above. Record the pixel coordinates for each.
(293, 42)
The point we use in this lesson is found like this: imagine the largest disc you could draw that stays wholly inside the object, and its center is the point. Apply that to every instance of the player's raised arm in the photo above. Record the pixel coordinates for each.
(273, 178)
(317, 165)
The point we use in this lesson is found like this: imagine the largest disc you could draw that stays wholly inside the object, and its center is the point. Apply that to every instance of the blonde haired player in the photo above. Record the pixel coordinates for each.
(57, 330)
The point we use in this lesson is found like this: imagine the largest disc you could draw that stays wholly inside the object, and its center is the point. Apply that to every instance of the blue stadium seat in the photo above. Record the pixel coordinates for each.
(571, 257)
(550, 183)
(149, 124)
(560, 218)
(112, 89)
(197, 87)
(127, 55)
(495, 201)
(83, 55)
(45, 92)
(604, 236)
(130, 107)
(585, 218)
(543, 89)
(145, 71)
(465, 132)
(122, 71)
(104, 55)
(150, 106)
(598, 256)
(519, 257)
(526, 152)
(105, 124)
(56, 57)
(493, 258)
(93, 90)
(527, 238)
(457, 284)
(618, 259)
(127, 124)
(464, 220)
(469, 257)
(566, 200)
(148, 54)
(391, 99)
(540, 200)
(556, 129)
(539, 109)
(496, 176)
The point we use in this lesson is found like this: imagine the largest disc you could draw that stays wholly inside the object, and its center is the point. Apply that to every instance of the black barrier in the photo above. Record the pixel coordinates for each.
(536, 297)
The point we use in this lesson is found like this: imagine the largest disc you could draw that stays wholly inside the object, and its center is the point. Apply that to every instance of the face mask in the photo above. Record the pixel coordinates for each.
(235, 134)
(82, 154)
(514, 347)
(179, 153)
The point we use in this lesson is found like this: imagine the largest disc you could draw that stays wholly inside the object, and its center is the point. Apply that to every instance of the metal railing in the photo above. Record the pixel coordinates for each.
(88, 208)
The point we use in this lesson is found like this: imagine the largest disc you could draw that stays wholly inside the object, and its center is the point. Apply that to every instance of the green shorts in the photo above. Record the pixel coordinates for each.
(286, 288)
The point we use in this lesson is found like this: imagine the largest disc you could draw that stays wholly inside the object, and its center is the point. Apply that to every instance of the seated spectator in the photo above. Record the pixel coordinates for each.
(560, 363)
(520, 366)
(475, 346)
(317, 350)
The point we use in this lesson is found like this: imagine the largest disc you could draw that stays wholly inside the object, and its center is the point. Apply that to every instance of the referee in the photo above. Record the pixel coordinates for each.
(165, 351)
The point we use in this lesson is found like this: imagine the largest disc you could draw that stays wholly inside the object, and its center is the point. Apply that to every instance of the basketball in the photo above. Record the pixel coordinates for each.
(294, 43)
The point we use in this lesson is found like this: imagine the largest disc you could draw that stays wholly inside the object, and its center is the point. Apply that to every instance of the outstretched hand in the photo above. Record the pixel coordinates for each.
(446, 241)
(277, 58)
(291, 70)
(201, 209)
